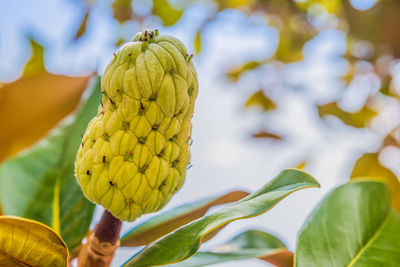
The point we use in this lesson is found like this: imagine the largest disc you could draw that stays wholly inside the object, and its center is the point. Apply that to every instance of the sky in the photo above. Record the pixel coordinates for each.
(224, 156)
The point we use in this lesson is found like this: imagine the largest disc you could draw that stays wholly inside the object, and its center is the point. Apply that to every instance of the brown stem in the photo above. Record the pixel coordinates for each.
(108, 228)
(102, 243)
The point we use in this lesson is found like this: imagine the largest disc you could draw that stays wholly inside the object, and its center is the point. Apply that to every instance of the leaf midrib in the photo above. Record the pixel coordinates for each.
(373, 237)
(2, 252)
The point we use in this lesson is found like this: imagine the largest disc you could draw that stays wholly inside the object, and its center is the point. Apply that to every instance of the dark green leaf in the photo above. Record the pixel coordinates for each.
(185, 241)
(40, 184)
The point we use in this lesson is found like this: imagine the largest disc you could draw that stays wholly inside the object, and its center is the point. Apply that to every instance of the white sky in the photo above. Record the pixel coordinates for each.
(224, 157)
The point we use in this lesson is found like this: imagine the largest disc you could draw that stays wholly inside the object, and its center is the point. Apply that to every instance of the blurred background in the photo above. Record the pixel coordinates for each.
(310, 84)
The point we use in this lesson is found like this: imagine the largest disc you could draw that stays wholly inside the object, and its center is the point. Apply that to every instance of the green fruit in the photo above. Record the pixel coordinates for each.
(135, 152)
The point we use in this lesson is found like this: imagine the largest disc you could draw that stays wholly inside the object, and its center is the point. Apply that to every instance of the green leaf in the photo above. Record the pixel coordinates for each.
(40, 184)
(166, 222)
(25, 242)
(247, 245)
(185, 241)
(166, 12)
(353, 226)
(357, 119)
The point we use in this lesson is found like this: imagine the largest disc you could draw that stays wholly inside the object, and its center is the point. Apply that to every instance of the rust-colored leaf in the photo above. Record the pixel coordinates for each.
(281, 258)
(267, 135)
(31, 106)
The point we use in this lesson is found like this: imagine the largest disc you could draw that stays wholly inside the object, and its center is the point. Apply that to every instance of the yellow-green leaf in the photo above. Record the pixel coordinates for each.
(197, 43)
(236, 72)
(25, 242)
(31, 106)
(122, 10)
(166, 12)
(260, 100)
(169, 221)
(357, 119)
(35, 65)
(82, 27)
(368, 166)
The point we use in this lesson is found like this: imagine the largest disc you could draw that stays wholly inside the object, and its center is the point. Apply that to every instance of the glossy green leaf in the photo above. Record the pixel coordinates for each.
(25, 242)
(166, 12)
(247, 245)
(353, 226)
(185, 241)
(166, 222)
(40, 184)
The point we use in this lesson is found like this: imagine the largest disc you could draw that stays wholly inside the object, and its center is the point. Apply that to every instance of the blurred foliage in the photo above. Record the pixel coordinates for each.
(368, 166)
(370, 41)
(44, 176)
(37, 101)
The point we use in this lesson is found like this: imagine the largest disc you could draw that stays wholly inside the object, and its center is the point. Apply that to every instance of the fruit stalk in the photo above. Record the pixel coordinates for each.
(102, 243)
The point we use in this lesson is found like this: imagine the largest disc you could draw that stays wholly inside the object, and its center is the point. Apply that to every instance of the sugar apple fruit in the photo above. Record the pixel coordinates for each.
(135, 152)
